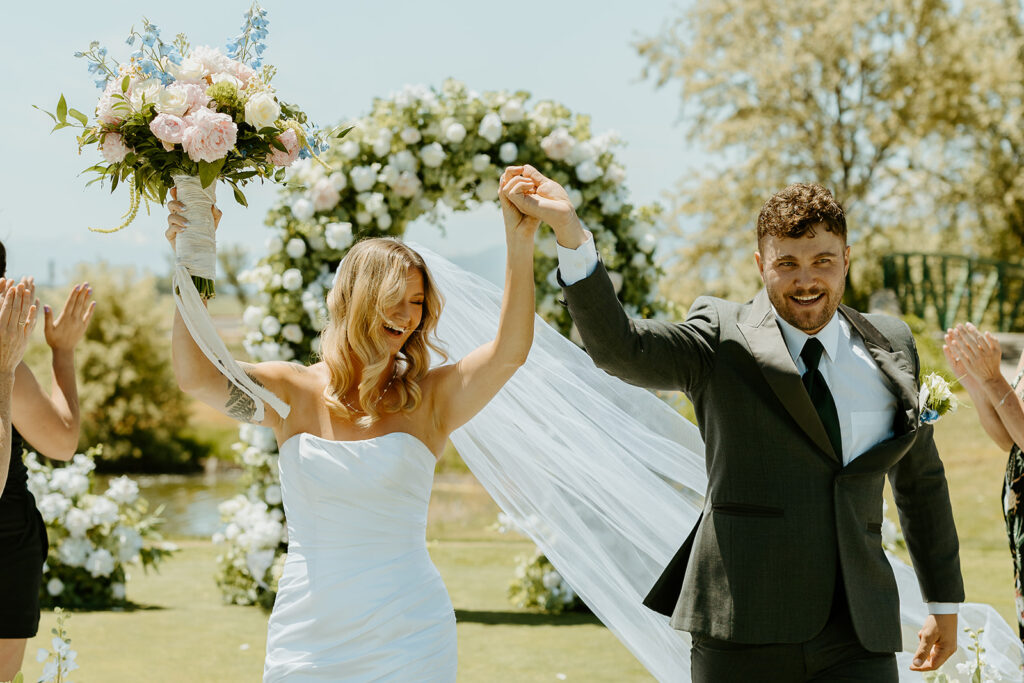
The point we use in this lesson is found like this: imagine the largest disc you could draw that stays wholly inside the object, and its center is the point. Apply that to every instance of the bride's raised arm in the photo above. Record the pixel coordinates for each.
(465, 387)
(200, 378)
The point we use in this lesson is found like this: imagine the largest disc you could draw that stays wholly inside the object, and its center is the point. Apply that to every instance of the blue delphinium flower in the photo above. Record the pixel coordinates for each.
(101, 83)
(929, 416)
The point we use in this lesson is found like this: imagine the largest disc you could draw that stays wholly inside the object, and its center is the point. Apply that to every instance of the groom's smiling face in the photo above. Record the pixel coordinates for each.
(805, 276)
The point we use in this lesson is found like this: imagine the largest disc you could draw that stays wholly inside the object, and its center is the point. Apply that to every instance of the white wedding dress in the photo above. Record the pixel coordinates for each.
(360, 599)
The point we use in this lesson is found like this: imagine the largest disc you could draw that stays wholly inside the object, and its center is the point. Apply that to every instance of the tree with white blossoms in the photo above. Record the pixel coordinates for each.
(93, 538)
(414, 152)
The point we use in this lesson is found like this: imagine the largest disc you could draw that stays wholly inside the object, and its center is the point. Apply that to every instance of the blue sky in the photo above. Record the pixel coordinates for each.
(333, 58)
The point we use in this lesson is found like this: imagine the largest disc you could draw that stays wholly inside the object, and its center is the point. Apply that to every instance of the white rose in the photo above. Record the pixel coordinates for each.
(610, 203)
(584, 151)
(262, 110)
(551, 579)
(490, 128)
(648, 242)
(403, 161)
(273, 245)
(224, 77)
(296, 247)
(270, 326)
(372, 202)
(253, 316)
(363, 217)
(384, 221)
(407, 185)
(338, 181)
(339, 235)
(272, 494)
(53, 506)
(173, 100)
(100, 563)
(382, 145)
(145, 92)
(481, 162)
(432, 155)
(122, 490)
(410, 136)
(575, 196)
(512, 111)
(363, 178)
(324, 196)
(615, 174)
(547, 246)
(292, 332)
(302, 209)
(588, 171)
(455, 132)
(508, 152)
(117, 591)
(388, 175)
(639, 260)
(54, 587)
(69, 482)
(103, 511)
(291, 279)
(349, 149)
(487, 190)
(190, 69)
(74, 551)
(558, 144)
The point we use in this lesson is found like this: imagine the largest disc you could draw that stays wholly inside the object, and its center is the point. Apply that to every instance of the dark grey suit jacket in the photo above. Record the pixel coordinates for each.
(781, 510)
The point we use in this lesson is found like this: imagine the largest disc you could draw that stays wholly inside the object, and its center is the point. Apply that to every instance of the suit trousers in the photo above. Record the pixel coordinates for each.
(834, 655)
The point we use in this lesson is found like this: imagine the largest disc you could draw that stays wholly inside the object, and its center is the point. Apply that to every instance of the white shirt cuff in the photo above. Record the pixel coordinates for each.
(579, 263)
(943, 607)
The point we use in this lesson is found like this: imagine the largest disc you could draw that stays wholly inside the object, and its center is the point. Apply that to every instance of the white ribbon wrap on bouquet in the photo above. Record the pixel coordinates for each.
(196, 250)
(607, 479)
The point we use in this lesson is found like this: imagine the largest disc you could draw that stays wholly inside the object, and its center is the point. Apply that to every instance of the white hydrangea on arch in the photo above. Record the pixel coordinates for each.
(415, 150)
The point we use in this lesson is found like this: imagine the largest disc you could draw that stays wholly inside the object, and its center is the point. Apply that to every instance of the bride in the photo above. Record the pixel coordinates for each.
(359, 598)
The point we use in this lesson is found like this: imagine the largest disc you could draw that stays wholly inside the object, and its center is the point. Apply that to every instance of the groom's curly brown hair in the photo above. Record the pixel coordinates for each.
(797, 209)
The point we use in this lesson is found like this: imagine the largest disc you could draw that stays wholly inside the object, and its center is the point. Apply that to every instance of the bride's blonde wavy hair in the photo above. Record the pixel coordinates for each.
(372, 279)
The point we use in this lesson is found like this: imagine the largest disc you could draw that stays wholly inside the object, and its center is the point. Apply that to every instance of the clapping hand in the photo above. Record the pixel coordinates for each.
(973, 353)
(17, 319)
(68, 329)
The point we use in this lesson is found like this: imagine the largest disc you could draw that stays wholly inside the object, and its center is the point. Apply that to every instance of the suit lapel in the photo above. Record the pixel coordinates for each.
(769, 350)
(897, 369)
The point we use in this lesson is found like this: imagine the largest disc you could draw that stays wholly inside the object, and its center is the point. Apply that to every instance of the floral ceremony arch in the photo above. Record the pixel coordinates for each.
(415, 151)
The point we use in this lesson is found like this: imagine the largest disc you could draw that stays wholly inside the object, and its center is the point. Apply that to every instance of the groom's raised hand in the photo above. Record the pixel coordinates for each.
(550, 203)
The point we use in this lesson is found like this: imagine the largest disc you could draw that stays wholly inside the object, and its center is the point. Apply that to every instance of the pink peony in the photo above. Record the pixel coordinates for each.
(167, 128)
(113, 148)
(243, 72)
(208, 136)
(291, 141)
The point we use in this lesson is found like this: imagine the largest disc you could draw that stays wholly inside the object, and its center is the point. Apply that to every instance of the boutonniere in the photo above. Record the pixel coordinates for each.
(936, 399)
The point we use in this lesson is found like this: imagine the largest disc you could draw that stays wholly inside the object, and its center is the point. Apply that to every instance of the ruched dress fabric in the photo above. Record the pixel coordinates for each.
(359, 599)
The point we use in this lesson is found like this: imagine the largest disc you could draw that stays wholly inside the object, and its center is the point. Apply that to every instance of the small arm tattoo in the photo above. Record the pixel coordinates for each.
(240, 406)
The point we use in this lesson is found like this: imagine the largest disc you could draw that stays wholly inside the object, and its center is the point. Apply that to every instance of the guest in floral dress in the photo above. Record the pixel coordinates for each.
(974, 357)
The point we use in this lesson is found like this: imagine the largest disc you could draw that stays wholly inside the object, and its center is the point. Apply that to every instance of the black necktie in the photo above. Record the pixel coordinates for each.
(821, 397)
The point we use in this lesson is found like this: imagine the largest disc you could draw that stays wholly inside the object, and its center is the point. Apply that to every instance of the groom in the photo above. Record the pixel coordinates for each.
(805, 406)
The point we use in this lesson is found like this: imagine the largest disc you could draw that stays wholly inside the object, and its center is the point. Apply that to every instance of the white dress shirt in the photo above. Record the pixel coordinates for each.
(866, 406)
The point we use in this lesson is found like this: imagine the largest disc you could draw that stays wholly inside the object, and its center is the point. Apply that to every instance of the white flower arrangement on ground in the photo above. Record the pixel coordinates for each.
(973, 672)
(538, 586)
(93, 537)
(420, 152)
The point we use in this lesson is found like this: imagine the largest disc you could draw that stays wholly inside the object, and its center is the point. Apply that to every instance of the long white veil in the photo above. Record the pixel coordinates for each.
(608, 480)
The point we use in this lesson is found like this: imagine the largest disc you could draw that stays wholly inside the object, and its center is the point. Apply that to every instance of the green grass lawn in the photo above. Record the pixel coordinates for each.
(182, 631)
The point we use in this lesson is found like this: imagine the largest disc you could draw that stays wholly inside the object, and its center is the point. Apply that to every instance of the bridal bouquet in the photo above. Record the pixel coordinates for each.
(178, 115)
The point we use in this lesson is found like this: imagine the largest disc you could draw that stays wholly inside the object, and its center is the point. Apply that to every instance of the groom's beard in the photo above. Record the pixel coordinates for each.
(807, 318)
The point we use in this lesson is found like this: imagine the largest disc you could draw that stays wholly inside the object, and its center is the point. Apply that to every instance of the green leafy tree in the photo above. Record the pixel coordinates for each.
(130, 401)
(848, 93)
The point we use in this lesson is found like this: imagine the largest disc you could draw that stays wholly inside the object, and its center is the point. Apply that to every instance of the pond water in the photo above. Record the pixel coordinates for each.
(459, 506)
(190, 500)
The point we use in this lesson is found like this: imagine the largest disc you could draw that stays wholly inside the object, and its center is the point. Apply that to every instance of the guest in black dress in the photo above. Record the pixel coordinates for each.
(975, 357)
(48, 424)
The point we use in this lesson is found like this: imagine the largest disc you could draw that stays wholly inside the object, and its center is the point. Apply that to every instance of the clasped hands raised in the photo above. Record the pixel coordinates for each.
(528, 198)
